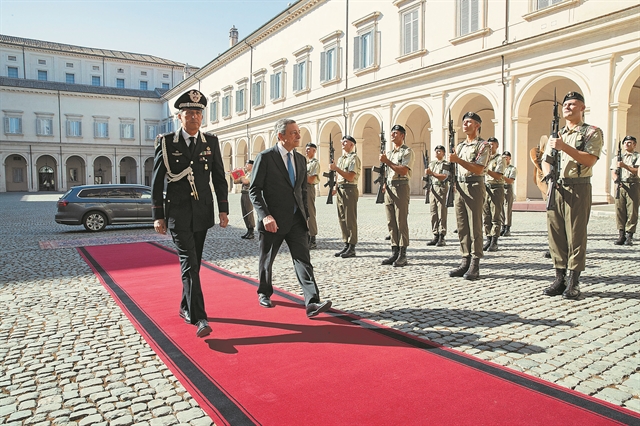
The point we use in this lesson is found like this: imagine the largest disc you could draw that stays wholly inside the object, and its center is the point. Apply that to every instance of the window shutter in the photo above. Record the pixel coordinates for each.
(356, 53)
(238, 107)
(121, 131)
(96, 130)
(475, 16)
(296, 77)
(415, 32)
(464, 17)
(272, 83)
(323, 66)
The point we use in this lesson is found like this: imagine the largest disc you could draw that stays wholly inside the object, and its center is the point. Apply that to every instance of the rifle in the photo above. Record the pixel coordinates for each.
(618, 181)
(453, 167)
(554, 174)
(381, 170)
(331, 175)
(427, 178)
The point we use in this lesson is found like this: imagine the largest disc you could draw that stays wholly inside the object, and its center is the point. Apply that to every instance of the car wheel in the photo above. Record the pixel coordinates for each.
(94, 221)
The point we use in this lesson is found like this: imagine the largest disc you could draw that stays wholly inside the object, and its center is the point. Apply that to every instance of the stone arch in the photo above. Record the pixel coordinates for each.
(415, 118)
(366, 131)
(481, 101)
(47, 177)
(258, 145)
(329, 130)
(242, 153)
(227, 161)
(16, 172)
(75, 171)
(148, 170)
(626, 90)
(102, 170)
(128, 170)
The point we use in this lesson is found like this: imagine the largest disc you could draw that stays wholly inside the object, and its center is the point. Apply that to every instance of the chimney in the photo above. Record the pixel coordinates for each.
(233, 36)
(186, 72)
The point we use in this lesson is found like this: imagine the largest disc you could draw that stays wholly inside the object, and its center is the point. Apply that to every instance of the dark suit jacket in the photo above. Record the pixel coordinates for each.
(271, 191)
(181, 210)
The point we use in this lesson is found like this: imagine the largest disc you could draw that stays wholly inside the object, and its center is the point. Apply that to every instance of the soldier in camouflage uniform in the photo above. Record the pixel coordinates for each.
(510, 173)
(313, 178)
(494, 200)
(438, 169)
(399, 162)
(471, 156)
(579, 146)
(628, 200)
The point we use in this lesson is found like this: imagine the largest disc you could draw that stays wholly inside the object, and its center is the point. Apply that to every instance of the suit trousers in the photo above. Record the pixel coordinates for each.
(507, 213)
(298, 241)
(468, 205)
(438, 208)
(347, 203)
(396, 202)
(189, 246)
(247, 210)
(492, 210)
(567, 226)
(311, 208)
(627, 206)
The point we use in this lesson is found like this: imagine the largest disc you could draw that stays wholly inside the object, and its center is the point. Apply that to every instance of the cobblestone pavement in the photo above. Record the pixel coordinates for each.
(68, 355)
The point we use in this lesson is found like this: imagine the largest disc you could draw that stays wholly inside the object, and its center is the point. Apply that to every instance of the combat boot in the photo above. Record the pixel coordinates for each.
(250, 235)
(402, 258)
(441, 241)
(395, 251)
(474, 270)
(350, 252)
(507, 231)
(629, 239)
(436, 238)
(487, 244)
(345, 248)
(573, 289)
(312, 242)
(558, 286)
(464, 267)
(621, 238)
(503, 230)
(494, 244)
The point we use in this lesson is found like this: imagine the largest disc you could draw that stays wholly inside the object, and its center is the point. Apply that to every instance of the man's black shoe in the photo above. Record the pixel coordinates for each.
(264, 301)
(185, 315)
(203, 328)
(314, 309)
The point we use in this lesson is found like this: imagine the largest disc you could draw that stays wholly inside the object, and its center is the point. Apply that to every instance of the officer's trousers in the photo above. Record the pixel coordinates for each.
(347, 203)
(438, 208)
(627, 206)
(507, 213)
(468, 205)
(492, 210)
(311, 208)
(396, 202)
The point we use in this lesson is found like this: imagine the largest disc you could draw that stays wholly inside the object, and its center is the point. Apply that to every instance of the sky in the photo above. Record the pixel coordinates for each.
(187, 31)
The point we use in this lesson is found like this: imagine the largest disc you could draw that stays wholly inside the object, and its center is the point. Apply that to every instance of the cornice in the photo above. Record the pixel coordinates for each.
(78, 95)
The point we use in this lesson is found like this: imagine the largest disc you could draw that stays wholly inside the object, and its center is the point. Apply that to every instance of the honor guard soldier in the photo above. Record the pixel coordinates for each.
(438, 169)
(578, 148)
(494, 200)
(245, 202)
(188, 160)
(471, 156)
(510, 173)
(627, 191)
(313, 178)
(348, 170)
(399, 162)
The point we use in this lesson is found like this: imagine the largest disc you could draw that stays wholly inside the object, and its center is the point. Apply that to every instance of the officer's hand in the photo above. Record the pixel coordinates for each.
(334, 192)
(453, 157)
(270, 224)
(333, 167)
(428, 172)
(160, 226)
(383, 158)
(557, 143)
(224, 220)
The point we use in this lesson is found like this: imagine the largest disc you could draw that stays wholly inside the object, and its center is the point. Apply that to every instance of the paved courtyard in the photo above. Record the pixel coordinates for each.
(68, 355)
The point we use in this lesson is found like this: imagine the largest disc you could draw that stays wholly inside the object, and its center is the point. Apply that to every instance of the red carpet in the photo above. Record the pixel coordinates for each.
(277, 367)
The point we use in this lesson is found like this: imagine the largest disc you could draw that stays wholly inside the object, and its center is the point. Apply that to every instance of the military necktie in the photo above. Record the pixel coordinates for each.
(192, 145)
(292, 176)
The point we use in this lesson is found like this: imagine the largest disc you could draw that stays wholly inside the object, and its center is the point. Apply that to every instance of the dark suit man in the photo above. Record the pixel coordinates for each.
(187, 160)
(278, 191)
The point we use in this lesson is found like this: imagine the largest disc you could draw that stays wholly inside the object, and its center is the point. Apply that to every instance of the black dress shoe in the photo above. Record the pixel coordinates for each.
(314, 309)
(185, 315)
(203, 328)
(264, 301)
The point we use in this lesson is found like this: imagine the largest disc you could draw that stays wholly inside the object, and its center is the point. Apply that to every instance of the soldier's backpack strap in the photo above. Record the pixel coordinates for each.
(587, 133)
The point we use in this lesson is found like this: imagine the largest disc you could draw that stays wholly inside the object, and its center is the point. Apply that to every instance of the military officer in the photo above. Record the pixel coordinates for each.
(399, 161)
(629, 186)
(188, 160)
(578, 147)
(245, 202)
(313, 178)
(494, 200)
(439, 171)
(510, 173)
(348, 170)
(472, 156)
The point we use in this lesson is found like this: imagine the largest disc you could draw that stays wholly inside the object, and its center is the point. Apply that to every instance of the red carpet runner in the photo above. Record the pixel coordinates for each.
(277, 367)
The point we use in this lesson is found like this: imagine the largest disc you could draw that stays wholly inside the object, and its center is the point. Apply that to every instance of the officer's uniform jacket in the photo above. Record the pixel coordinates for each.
(349, 162)
(510, 172)
(313, 169)
(182, 207)
(583, 137)
(630, 159)
(476, 151)
(401, 156)
(440, 168)
(496, 164)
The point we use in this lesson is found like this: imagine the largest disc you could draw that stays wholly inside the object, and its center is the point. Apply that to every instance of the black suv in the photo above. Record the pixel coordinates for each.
(96, 206)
